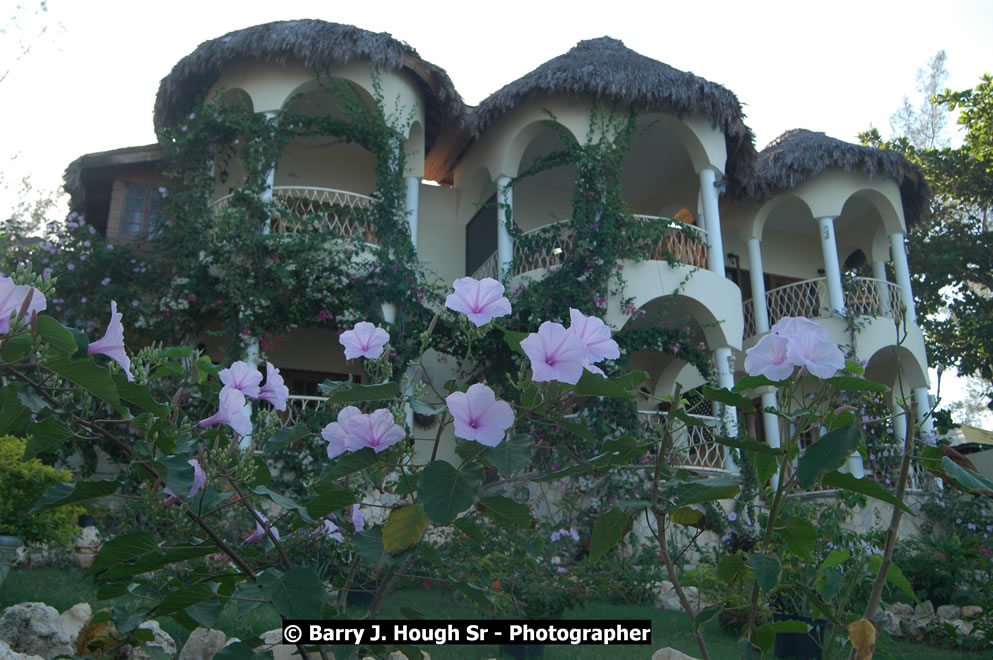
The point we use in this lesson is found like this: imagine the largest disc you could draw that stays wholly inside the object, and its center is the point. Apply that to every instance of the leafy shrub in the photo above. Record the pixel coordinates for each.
(21, 483)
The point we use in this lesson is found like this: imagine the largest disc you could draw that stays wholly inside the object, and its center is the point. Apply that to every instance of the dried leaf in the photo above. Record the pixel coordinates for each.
(862, 635)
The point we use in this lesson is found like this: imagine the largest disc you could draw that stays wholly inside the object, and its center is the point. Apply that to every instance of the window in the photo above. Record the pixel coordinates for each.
(142, 212)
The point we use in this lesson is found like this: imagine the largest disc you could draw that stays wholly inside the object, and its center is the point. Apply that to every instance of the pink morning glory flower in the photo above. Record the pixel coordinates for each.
(595, 335)
(199, 482)
(112, 342)
(337, 436)
(241, 376)
(768, 358)
(230, 412)
(274, 391)
(376, 430)
(364, 340)
(818, 354)
(358, 520)
(329, 529)
(12, 299)
(260, 531)
(479, 416)
(555, 353)
(480, 300)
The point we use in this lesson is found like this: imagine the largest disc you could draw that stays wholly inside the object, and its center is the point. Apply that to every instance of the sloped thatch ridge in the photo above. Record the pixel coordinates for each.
(606, 68)
(799, 154)
(318, 44)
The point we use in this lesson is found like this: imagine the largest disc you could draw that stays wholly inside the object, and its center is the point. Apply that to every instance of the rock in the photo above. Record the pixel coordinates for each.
(83, 558)
(915, 627)
(971, 610)
(890, 623)
(73, 620)
(89, 537)
(924, 608)
(963, 628)
(162, 640)
(397, 655)
(6, 653)
(902, 609)
(669, 653)
(202, 644)
(273, 642)
(949, 611)
(35, 629)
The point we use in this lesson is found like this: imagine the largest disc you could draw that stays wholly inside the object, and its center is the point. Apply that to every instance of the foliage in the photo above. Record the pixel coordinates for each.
(21, 483)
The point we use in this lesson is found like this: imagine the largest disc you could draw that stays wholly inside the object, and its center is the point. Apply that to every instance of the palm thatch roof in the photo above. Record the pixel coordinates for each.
(318, 45)
(799, 154)
(606, 68)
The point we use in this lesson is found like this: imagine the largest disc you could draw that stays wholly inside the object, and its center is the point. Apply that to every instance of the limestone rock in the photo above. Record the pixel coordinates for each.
(202, 644)
(902, 609)
(669, 653)
(34, 629)
(890, 623)
(162, 639)
(397, 655)
(273, 642)
(924, 608)
(73, 620)
(971, 610)
(916, 626)
(89, 537)
(7, 654)
(949, 611)
(963, 628)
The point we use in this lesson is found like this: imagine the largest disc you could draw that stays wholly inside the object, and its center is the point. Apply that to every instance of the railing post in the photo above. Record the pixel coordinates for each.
(505, 245)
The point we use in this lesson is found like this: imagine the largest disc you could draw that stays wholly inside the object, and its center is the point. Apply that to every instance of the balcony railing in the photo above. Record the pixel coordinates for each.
(297, 405)
(694, 447)
(863, 295)
(304, 209)
(676, 240)
(489, 268)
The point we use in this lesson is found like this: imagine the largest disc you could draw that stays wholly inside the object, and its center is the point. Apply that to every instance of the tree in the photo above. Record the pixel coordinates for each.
(924, 125)
(951, 253)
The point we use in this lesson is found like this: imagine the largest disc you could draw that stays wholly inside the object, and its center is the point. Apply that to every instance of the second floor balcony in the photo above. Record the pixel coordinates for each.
(310, 209)
(864, 296)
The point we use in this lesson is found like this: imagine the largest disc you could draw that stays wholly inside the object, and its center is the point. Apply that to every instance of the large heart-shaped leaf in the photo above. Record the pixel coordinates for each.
(446, 492)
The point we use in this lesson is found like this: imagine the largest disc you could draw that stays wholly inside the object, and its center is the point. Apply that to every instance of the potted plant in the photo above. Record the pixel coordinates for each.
(22, 482)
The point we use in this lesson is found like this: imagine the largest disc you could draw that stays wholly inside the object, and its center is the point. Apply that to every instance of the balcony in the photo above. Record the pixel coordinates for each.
(864, 296)
(694, 447)
(308, 209)
(549, 245)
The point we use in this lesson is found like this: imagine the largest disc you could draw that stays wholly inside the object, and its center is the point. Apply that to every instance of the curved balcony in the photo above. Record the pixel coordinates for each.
(865, 296)
(305, 209)
(664, 239)
(694, 447)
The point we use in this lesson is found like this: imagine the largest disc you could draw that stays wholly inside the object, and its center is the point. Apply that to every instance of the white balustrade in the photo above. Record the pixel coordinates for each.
(693, 447)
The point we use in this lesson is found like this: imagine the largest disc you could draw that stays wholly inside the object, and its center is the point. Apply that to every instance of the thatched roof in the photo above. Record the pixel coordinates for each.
(799, 154)
(606, 68)
(318, 45)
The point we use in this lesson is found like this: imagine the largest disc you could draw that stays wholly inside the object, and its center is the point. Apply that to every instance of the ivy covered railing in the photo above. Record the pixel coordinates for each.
(301, 209)
(864, 296)
(685, 243)
(298, 405)
(694, 447)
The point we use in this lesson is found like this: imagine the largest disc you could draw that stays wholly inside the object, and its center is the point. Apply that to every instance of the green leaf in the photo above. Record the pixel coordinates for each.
(510, 455)
(285, 502)
(630, 381)
(469, 527)
(330, 497)
(818, 603)
(422, 408)
(705, 490)
(829, 452)
(591, 384)
(407, 484)
(693, 420)
(853, 384)
(85, 373)
(178, 474)
(965, 479)
(505, 511)
(842, 419)
(82, 343)
(684, 515)
(752, 382)
(369, 544)
(766, 568)
(285, 436)
(836, 558)
(121, 549)
(703, 616)
(352, 462)
(608, 530)
(13, 414)
(576, 429)
(357, 393)
(46, 437)
(766, 465)
(837, 479)
(16, 347)
(296, 594)
(853, 367)
(478, 596)
(800, 537)
(404, 528)
(140, 395)
(180, 599)
(205, 613)
(514, 340)
(80, 491)
(728, 397)
(894, 576)
(730, 568)
(31, 399)
(530, 397)
(447, 492)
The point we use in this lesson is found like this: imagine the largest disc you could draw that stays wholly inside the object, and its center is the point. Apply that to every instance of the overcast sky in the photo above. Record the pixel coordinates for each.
(89, 82)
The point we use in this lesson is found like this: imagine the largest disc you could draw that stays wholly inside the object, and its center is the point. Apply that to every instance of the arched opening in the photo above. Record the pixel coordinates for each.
(543, 197)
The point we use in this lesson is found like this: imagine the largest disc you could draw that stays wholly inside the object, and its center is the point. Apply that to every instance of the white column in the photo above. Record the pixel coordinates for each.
(923, 400)
(832, 268)
(411, 205)
(270, 182)
(759, 309)
(770, 423)
(252, 360)
(729, 415)
(505, 245)
(712, 218)
(899, 252)
(899, 424)
(879, 273)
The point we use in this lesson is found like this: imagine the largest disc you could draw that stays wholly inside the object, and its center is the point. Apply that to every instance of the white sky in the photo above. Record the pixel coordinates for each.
(89, 83)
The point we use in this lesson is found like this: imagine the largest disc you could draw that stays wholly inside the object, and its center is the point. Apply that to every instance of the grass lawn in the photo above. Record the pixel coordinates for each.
(63, 589)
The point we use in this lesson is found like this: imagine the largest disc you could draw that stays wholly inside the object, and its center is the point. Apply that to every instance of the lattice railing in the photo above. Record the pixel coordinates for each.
(808, 298)
(748, 312)
(301, 209)
(560, 240)
(297, 404)
(693, 446)
(871, 297)
(489, 268)
(683, 242)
